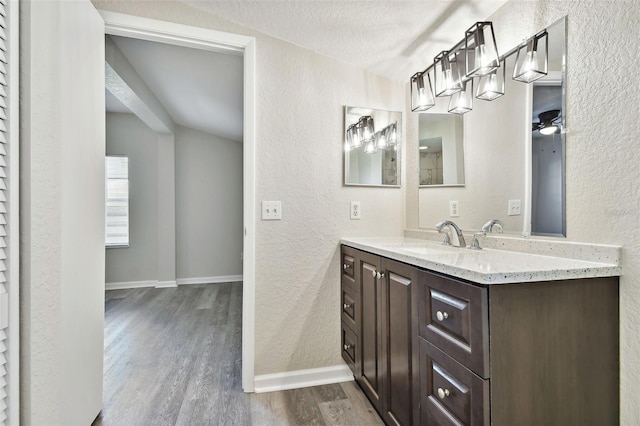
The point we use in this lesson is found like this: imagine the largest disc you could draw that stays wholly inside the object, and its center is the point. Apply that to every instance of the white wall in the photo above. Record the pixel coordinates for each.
(127, 135)
(208, 205)
(601, 207)
(300, 99)
(62, 212)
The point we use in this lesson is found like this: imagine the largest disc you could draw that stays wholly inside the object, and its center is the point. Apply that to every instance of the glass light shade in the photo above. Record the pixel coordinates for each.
(447, 74)
(370, 147)
(491, 86)
(355, 138)
(392, 134)
(481, 52)
(421, 92)
(532, 59)
(366, 123)
(462, 101)
(381, 139)
(549, 130)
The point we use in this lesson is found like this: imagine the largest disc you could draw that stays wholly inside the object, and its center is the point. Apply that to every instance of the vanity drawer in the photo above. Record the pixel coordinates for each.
(350, 350)
(453, 315)
(350, 308)
(450, 393)
(348, 260)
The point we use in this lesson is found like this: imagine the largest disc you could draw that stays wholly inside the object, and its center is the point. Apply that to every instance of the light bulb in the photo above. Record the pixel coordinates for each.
(449, 82)
(370, 148)
(529, 65)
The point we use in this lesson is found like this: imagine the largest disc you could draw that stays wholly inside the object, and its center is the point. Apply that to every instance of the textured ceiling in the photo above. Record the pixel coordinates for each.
(393, 38)
(199, 89)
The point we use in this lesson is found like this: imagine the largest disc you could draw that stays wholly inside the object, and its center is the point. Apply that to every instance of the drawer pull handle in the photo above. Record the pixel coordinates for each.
(442, 315)
(442, 393)
(347, 347)
(346, 266)
(379, 275)
(347, 305)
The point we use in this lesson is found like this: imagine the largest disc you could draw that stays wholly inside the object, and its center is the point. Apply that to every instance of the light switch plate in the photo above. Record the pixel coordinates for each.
(355, 210)
(271, 210)
(514, 207)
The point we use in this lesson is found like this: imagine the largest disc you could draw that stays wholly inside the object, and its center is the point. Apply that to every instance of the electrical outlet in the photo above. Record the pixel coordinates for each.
(271, 210)
(514, 207)
(355, 211)
(453, 209)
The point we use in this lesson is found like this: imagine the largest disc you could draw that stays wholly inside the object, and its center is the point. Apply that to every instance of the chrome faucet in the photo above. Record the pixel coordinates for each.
(487, 228)
(448, 224)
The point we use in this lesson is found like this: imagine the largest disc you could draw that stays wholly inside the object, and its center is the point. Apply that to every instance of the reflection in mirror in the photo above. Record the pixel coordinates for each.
(441, 149)
(548, 142)
(510, 159)
(372, 147)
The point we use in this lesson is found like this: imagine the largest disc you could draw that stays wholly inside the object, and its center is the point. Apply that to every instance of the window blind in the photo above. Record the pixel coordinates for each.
(117, 201)
(8, 213)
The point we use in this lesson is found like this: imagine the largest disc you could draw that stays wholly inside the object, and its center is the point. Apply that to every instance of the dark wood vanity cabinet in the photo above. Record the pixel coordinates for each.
(430, 349)
(384, 332)
(542, 353)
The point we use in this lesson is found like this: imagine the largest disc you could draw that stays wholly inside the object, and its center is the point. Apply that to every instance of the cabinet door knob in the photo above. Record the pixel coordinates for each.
(345, 266)
(442, 315)
(347, 305)
(347, 347)
(374, 273)
(379, 275)
(443, 393)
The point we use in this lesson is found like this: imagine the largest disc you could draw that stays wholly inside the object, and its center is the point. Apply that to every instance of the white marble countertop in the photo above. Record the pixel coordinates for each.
(486, 266)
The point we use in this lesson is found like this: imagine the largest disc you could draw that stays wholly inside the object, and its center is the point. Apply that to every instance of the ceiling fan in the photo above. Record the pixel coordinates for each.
(549, 122)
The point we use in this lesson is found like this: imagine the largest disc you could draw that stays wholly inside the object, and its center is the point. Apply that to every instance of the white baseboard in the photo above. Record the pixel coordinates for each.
(130, 284)
(210, 280)
(302, 378)
(166, 284)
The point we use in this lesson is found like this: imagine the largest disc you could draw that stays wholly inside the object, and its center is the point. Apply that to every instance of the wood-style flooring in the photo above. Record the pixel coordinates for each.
(173, 357)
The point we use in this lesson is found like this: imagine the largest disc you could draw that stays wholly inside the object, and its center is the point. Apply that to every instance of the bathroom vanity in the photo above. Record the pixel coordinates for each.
(439, 335)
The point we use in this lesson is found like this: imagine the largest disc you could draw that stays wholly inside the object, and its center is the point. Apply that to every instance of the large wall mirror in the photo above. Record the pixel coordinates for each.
(441, 149)
(514, 149)
(373, 139)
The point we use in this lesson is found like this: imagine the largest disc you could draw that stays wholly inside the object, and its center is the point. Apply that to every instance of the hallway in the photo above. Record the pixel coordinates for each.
(173, 357)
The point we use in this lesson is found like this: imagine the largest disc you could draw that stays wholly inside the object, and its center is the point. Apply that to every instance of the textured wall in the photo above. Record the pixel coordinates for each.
(62, 213)
(208, 205)
(603, 195)
(127, 135)
(299, 104)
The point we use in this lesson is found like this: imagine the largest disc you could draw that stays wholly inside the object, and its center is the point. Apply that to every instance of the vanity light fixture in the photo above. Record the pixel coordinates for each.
(476, 57)
(532, 58)
(447, 74)
(462, 101)
(491, 86)
(421, 92)
(481, 52)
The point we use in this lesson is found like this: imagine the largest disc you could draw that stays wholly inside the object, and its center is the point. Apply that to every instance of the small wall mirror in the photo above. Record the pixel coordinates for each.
(441, 150)
(372, 144)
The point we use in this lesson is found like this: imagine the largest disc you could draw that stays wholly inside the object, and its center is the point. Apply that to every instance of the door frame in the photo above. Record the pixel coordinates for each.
(200, 38)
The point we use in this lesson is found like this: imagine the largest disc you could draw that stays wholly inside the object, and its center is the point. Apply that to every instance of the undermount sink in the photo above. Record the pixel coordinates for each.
(423, 248)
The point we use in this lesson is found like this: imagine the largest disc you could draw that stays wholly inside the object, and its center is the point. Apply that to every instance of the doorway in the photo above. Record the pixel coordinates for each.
(181, 35)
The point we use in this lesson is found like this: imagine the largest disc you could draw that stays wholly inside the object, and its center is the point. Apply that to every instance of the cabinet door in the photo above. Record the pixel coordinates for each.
(370, 377)
(398, 330)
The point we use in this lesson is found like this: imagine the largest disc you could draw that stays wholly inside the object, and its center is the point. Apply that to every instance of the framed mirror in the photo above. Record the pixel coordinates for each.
(441, 149)
(372, 146)
(507, 159)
